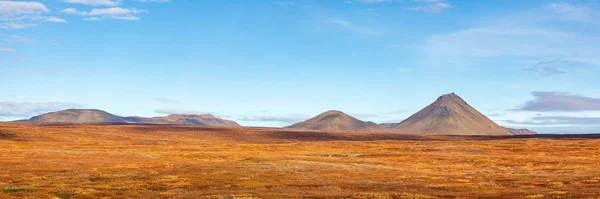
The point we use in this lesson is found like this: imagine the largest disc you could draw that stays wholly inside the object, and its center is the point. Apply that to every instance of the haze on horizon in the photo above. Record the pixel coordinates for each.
(524, 64)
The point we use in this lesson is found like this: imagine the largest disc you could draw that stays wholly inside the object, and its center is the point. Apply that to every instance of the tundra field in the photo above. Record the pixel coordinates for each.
(167, 161)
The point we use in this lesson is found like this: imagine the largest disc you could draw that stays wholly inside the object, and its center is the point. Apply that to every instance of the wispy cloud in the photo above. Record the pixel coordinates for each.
(56, 20)
(13, 8)
(357, 29)
(284, 3)
(514, 38)
(7, 50)
(167, 100)
(153, 1)
(283, 119)
(560, 102)
(373, 1)
(103, 13)
(570, 11)
(18, 39)
(558, 121)
(95, 2)
(23, 14)
(403, 70)
(555, 67)
(178, 111)
(28, 109)
(431, 6)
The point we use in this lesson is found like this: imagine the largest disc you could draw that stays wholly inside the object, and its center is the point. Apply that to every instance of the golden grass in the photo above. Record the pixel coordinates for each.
(134, 161)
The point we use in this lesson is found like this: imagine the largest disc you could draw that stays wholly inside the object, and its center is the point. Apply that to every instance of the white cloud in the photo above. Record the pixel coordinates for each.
(56, 20)
(154, 1)
(24, 14)
(167, 100)
(510, 40)
(373, 1)
(73, 11)
(6, 50)
(9, 8)
(432, 7)
(281, 119)
(102, 13)
(178, 111)
(18, 39)
(403, 70)
(92, 19)
(13, 25)
(570, 11)
(28, 109)
(349, 26)
(95, 2)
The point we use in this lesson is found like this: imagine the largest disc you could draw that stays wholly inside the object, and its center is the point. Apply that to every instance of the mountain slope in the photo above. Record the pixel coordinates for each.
(449, 115)
(200, 120)
(78, 116)
(520, 131)
(336, 121)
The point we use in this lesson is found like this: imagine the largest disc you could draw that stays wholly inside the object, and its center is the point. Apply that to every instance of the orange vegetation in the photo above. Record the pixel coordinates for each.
(158, 161)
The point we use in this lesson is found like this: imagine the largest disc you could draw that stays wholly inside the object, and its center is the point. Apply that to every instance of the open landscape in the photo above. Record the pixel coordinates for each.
(348, 99)
(170, 161)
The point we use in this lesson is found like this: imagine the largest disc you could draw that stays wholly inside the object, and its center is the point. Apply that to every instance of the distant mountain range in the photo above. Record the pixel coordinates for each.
(98, 116)
(448, 115)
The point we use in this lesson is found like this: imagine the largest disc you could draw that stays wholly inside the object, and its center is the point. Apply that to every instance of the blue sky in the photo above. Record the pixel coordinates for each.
(526, 64)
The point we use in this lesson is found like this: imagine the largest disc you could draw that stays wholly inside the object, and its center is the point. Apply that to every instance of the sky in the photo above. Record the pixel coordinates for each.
(525, 64)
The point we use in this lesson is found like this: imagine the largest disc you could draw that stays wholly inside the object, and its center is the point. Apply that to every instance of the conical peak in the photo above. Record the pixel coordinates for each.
(331, 112)
(450, 98)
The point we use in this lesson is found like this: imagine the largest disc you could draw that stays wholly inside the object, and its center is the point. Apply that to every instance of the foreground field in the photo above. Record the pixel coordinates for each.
(134, 161)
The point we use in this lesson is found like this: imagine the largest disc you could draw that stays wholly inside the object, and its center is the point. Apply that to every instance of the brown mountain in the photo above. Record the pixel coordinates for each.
(187, 119)
(449, 115)
(336, 121)
(78, 116)
(387, 125)
(99, 116)
(520, 131)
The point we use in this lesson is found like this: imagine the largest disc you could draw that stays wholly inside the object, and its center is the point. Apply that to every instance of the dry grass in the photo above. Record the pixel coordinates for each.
(133, 161)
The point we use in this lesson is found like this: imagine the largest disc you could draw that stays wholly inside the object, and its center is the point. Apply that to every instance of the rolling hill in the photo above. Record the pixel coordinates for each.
(75, 116)
(78, 116)
(336, 121)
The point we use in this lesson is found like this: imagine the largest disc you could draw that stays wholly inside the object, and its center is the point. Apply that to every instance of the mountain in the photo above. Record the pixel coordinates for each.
(188, 119)
(336, 121)
(78, 116)
(99, 116)
(449, 115)
(387, 125)
(520, 131)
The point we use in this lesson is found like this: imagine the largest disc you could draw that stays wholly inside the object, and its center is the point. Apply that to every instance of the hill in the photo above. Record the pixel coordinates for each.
(336, 121)
(449, 115)
(186, 119)
(75, 116)
(520, 131)
(78, 116)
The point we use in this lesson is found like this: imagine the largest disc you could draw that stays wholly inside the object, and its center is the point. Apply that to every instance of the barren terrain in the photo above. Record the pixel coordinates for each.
(166, 161)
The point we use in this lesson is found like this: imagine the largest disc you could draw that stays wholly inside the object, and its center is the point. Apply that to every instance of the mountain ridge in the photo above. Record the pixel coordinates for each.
(99, 116)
